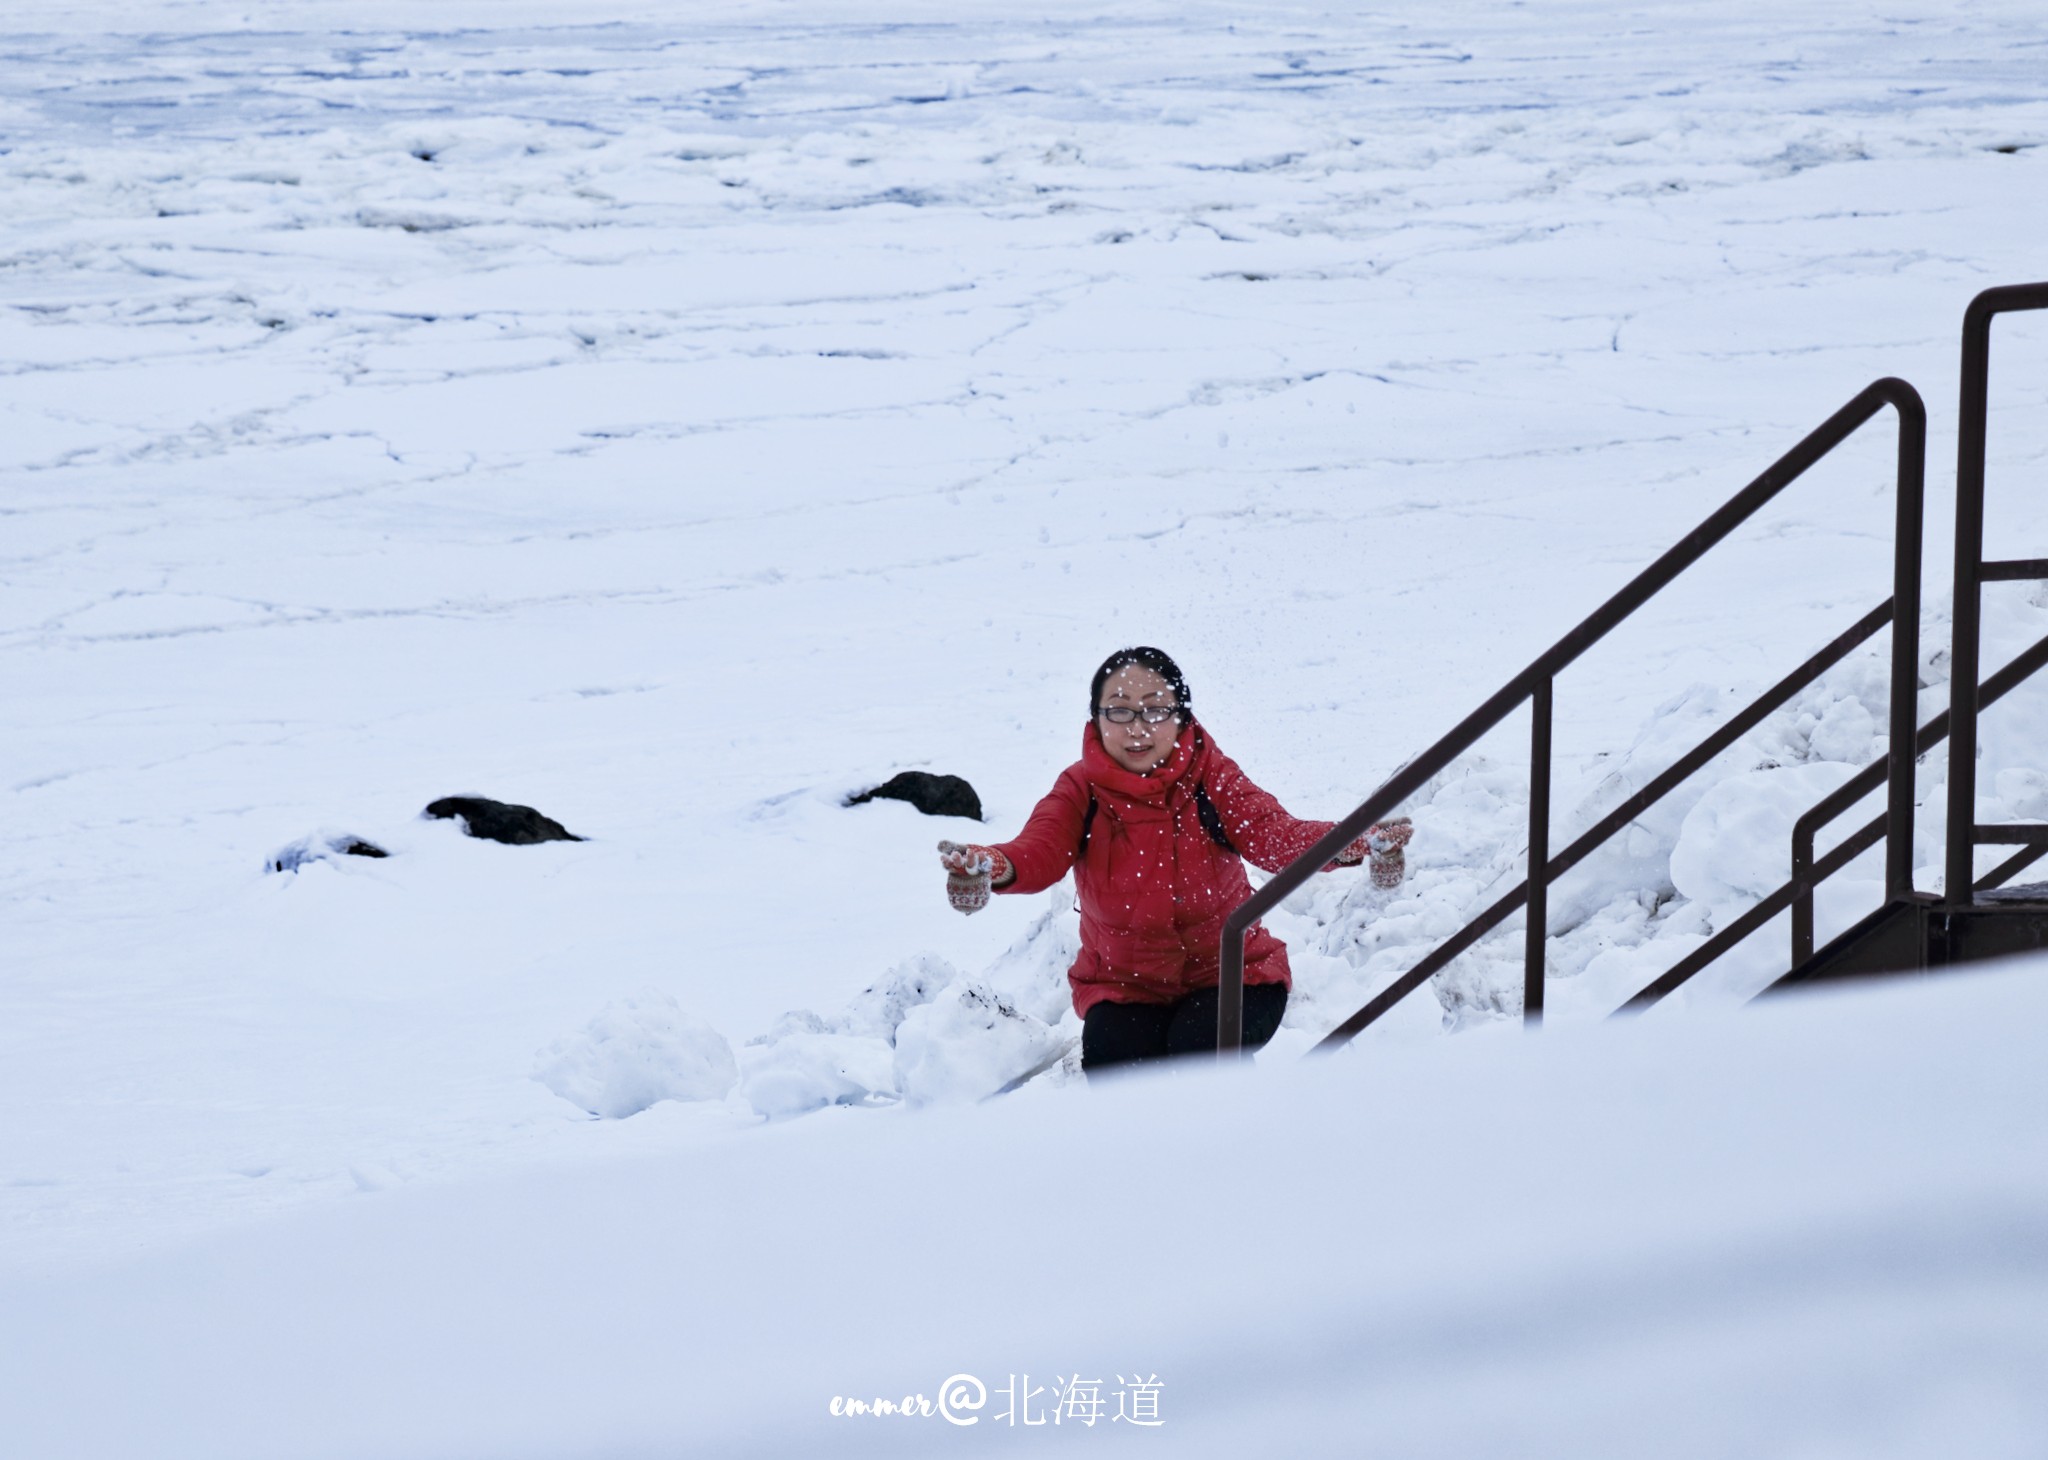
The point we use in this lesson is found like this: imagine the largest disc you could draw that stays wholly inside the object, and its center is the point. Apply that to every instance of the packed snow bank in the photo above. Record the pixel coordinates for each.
(927, 1033)
(968, 1043)
(1811, 1228)
(1728, 848)
(806, 1061)
(638, 1051)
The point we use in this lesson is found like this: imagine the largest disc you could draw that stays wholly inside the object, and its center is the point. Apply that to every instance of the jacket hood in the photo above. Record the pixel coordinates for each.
(1103, 771)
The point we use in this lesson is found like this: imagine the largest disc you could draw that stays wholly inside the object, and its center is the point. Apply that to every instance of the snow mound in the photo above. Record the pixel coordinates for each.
(1032, 972)
(877, 1010)
(807, 1061)
(639, 1051)
(969, 1043)
(805, 1070)
(925, 1033)
(1726, 844)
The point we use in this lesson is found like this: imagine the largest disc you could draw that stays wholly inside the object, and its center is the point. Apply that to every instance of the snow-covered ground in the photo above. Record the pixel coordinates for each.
(1809, 1230)
(676, 418)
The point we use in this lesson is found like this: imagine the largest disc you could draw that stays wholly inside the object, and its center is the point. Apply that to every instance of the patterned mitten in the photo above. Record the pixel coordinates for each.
(1382, 842)
(970, 870)
(1386, 841)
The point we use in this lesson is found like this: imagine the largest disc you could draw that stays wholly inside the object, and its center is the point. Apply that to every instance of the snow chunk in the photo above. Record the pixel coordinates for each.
(1736, 844)
(804, 1071)
(877, 1010)
(637, 1052)
(923, 1032)
(807, 1061)
(2023, 791)
(1847, 731)
(1032, 972)
(967, 1044)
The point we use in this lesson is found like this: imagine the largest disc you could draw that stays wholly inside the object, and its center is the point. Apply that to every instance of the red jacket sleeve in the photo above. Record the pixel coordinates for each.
(1046, 847)
(1258, 824)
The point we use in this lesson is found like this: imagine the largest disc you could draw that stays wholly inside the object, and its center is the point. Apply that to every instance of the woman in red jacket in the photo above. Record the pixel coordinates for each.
(1154, 819)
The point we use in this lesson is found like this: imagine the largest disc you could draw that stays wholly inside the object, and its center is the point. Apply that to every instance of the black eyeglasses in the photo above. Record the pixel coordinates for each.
(1125, 714)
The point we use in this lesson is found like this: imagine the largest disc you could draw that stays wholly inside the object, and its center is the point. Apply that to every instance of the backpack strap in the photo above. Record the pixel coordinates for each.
(1087, 825)
(1212, 820)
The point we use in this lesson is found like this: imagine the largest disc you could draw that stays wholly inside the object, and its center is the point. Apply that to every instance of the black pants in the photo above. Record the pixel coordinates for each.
(1118, 1034)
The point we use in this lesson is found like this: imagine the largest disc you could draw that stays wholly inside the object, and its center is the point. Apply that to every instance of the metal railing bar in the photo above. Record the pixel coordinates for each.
(1802, 903)
(2025, 857)
(2017, 671)
(1787, 469)
(1656, 790)
(2032, 839)
(1695, 544)
(1713, 948)
(2022, 667)
(1415, 977)
(2013, 570)
(1964, 705)
(1645, 585)
(1806, 832)
(1909, 522)
(1993, 834)
(1537, 884)
(1861, 784)
(1807, 829)
(1683, 769)
(1862, 840)
(1799, 889)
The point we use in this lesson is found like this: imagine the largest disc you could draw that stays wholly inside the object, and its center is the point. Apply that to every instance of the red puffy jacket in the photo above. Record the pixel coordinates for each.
(1154, 887)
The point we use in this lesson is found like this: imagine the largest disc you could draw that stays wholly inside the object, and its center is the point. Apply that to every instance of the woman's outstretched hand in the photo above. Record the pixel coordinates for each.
(970, 871)
(1382, 845)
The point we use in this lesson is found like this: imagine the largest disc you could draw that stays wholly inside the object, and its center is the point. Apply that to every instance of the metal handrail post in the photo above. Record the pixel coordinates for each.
(1908, 521)
(1902, 752)
(1230, 1001)
(1802, 894)
(1538, 926)
(1960, 854)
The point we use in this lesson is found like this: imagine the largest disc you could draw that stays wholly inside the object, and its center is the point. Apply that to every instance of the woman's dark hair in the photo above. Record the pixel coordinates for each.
(1158, 661)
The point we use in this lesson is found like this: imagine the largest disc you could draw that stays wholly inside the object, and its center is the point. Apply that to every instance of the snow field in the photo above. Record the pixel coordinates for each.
(678, 424)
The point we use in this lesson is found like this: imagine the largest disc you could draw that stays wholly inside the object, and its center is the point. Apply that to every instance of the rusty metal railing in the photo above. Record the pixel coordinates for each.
(1807, 874)
(1972, 572)
(1534, 684)
(1967, 700)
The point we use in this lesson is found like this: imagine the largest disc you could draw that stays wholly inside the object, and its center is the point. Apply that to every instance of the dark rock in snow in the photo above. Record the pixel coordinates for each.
(500, 821)
(933, 795)
(321, 847)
